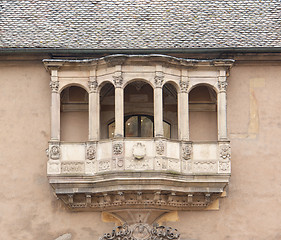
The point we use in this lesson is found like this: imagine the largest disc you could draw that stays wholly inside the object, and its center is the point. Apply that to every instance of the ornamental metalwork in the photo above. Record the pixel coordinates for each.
(142, 231)
(54, 85)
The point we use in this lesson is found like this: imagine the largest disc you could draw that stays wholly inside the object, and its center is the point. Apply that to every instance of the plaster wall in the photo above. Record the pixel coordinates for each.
(251, 211)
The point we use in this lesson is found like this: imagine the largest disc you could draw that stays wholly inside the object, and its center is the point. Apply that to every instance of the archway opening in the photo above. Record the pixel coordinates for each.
(107, 111)
(170, 111)
(203, 114)
(138, 110)
(74, 114)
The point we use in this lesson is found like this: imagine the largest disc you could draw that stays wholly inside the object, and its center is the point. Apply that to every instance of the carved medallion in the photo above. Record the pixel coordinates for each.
(160, 148)
(186, 151)
(117, 148)
(224, 166)
(54, 152)
(91, 152)
(139, 151)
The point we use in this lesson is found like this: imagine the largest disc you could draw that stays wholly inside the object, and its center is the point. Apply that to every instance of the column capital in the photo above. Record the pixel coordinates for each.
(93, 84)
(54, 85)
(222, 86)
(184, 86)
(118, 80)
(159, 79)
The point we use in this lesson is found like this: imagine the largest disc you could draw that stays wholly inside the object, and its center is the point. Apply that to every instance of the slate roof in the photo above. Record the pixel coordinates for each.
(139, 24)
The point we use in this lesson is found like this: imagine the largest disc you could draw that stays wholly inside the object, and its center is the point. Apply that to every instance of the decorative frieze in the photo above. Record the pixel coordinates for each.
(225, 151)
(72, 167)
(142, 231)
(205, 166)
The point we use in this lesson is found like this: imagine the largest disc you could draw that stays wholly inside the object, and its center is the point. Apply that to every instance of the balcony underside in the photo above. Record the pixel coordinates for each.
(139, 174)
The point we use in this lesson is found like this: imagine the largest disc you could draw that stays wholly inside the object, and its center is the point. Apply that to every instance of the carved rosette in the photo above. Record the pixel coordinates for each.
(224, 166)
(93, 85)
(54, 152)
(142, 231)
(159, 79)
(91, 152)
(184, 86)
(160, 148)
(225, 151)
(118, 80)
(139, 151)
(117, 148)
(54, 85)
(222, 86)
(186, 151)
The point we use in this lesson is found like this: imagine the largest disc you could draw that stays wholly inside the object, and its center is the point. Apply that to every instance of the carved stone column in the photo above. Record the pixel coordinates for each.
(158, 105)
(94, 111)
(222, 126)
(183, 109)
(119, 103)
(55, 106)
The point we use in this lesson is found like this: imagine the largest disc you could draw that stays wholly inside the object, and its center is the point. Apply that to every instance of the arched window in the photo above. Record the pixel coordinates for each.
(140, 126)
(170, 111)
(107, 111)
(74, 114)
(203, 114)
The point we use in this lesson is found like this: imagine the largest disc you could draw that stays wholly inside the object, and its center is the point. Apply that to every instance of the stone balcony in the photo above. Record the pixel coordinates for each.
(139, 173)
